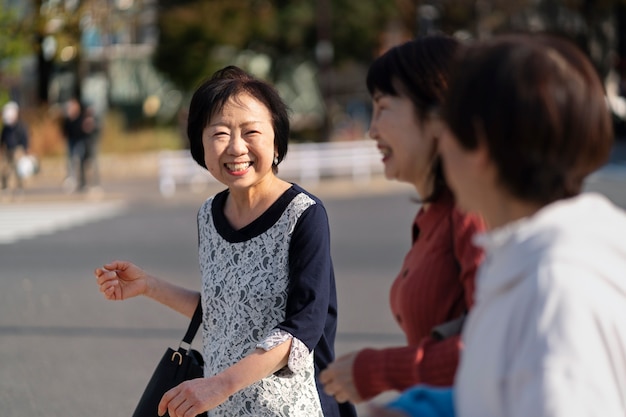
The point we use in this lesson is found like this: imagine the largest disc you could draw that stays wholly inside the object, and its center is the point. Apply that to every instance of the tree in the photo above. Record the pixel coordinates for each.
(14, 44)
(196, 37)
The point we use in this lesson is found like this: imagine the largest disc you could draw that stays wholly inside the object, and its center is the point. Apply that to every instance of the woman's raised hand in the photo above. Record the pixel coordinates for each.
(120, 280)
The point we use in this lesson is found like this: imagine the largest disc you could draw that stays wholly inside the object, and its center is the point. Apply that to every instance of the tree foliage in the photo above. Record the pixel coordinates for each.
(193, 33)
(13, 42)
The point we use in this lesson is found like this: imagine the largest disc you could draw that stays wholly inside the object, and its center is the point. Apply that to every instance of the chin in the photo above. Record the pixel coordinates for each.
(390, 175)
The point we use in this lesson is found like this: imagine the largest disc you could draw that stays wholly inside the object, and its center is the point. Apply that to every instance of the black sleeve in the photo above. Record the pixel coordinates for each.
(310, 277)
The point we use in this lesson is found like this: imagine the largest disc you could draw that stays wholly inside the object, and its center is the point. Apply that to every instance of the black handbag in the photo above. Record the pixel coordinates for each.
(175, 367)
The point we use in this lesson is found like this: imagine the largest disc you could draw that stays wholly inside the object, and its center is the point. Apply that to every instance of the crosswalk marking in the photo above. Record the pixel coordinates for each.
(24, 221)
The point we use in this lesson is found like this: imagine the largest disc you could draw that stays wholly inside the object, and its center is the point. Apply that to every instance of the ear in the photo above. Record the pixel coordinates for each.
(434, 125)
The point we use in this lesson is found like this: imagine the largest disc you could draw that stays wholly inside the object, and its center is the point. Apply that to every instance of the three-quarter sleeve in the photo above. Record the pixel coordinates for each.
(311, 299)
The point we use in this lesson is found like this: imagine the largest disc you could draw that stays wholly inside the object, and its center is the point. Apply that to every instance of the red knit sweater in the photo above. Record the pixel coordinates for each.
(435, 285)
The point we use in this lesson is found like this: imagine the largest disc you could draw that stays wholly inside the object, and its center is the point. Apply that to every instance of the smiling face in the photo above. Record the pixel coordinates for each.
(406, 142)
(239, 143)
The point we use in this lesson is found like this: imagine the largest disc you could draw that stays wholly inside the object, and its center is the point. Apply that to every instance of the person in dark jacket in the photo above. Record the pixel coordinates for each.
(13, 145)
(78, 127)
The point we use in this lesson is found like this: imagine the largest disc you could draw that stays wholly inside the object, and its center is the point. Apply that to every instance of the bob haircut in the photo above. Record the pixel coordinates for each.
(226, 84)
(419, 70)
(539, 106)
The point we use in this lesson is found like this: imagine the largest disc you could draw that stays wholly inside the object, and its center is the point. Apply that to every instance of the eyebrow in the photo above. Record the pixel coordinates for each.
(251, 122)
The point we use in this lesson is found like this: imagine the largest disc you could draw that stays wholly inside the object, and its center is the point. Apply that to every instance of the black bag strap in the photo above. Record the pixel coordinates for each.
(193, 325)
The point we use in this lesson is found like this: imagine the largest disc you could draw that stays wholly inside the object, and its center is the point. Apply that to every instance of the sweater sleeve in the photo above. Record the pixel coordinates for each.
(432, 362)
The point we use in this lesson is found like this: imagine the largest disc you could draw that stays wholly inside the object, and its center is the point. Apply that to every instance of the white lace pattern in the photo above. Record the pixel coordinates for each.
(244, 297)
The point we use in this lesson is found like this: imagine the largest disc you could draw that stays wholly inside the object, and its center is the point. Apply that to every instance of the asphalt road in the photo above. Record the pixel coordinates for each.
(65, 351)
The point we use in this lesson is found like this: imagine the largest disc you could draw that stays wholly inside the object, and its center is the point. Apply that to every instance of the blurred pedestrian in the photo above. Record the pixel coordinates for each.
(268, 289)
(14, 141)
(547, 337)
(92, 126)
(435, 284)
(79, 128)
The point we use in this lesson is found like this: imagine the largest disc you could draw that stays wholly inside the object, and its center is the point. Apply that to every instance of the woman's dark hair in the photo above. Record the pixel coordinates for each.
(210, 98)
(418, 69)
(539, 105)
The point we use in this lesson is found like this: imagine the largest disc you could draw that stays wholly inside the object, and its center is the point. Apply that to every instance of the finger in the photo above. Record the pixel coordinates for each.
(342, 397)
(121, 265)
(332, 388)
(179, 410)
(326, 376)
(165, 401)
(108, 283)
(189, 410)
(112, 293)
(105, 276)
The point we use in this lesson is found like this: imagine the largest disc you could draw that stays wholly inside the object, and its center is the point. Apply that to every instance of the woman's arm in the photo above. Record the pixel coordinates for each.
(198, 395)
(362, 375)
(120, 280)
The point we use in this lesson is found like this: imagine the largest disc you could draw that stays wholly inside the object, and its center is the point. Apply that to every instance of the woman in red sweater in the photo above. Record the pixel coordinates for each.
(436, 281)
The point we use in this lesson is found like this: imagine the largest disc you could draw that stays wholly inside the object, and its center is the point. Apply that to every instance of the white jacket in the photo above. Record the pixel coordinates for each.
(547, 335)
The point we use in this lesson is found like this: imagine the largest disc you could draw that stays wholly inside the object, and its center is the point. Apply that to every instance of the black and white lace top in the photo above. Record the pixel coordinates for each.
(261, 285)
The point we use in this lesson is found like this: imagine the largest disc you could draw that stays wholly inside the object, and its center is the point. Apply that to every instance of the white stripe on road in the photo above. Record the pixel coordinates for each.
(24, 221)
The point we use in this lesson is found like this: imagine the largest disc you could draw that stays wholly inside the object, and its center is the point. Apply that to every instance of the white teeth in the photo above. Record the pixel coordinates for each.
(385, 152)
(238, 167)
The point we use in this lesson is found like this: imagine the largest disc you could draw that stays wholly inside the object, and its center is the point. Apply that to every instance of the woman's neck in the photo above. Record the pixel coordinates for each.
(244, 206)
(424, 190)
(505, 210)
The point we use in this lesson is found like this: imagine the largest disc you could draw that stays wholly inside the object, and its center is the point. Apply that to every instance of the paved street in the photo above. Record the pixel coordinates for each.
(67, 352)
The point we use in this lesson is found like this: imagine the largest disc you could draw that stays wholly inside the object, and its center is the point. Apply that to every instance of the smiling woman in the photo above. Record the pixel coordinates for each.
(240, 141)
(435, 284)
(268, 287)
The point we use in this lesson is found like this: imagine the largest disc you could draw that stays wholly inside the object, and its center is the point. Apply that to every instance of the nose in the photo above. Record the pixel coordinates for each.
(373, 130)
(237, 145)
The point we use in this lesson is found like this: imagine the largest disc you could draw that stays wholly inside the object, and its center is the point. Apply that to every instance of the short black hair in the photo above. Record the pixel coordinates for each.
(211, 96)
(418, 69)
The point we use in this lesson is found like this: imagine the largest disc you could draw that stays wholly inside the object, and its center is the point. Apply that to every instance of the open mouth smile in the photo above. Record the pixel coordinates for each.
(238, 167)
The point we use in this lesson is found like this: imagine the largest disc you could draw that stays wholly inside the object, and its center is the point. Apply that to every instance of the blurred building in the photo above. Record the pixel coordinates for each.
(100, 50)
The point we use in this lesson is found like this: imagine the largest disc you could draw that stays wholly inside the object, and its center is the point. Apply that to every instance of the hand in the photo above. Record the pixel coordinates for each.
(338, 380)
(193, 397)
(121, 280)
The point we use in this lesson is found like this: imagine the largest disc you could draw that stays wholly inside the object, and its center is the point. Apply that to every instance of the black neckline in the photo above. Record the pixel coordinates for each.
(258, 226)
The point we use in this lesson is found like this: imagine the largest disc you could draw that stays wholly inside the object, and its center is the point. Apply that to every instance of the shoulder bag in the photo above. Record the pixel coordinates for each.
(175, 367)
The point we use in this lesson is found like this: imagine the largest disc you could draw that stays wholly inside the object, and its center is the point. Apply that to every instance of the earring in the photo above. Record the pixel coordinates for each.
(276, 160)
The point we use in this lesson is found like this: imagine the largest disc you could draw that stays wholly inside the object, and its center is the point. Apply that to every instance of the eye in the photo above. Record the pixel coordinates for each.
(220, 135)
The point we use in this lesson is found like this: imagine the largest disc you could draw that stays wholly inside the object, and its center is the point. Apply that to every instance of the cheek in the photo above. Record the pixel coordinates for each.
(211, 155)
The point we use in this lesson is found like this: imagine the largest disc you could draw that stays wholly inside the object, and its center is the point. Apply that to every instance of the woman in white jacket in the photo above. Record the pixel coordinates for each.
(528, 122)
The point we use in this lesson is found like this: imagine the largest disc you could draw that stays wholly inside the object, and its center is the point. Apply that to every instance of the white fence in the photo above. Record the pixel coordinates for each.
(306, 163)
